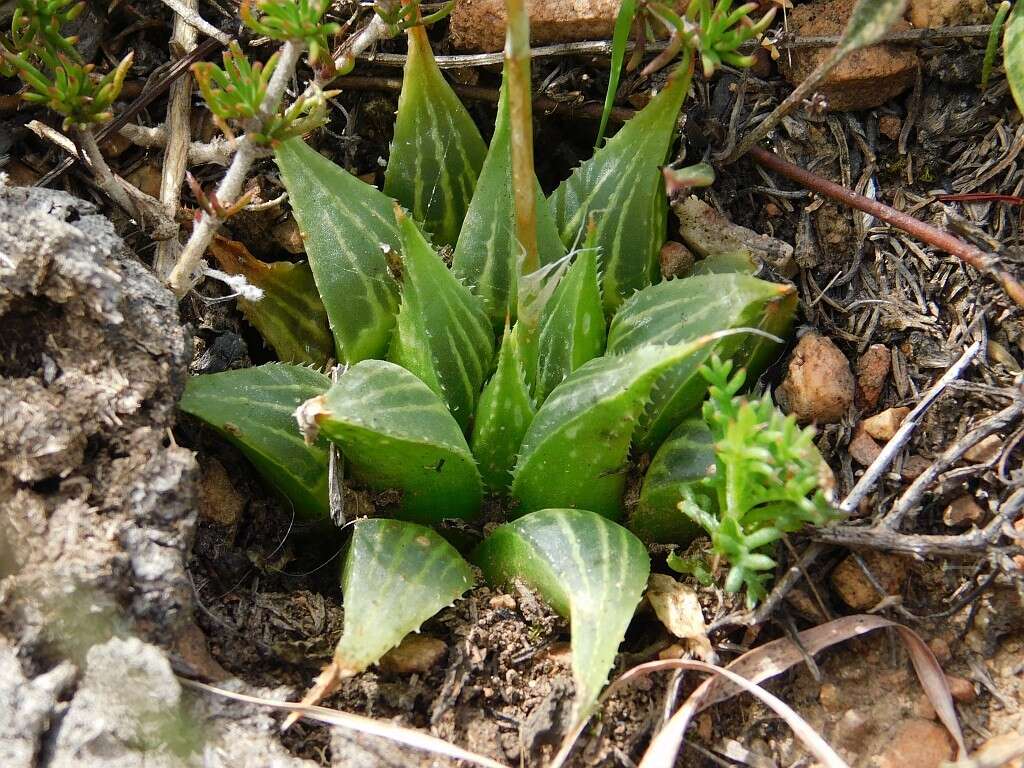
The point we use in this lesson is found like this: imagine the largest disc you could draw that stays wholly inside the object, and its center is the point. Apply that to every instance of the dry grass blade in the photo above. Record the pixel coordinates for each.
(665, 746)
(383, 729)
(776, 657)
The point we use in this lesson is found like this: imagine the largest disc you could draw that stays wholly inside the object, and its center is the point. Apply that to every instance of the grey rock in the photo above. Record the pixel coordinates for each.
(27, 708)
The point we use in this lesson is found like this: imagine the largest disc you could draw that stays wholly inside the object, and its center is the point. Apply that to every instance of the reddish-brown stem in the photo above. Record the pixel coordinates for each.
(966, 252)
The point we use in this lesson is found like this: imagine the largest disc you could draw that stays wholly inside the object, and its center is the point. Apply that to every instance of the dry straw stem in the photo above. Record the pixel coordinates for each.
(517, 64)
(179, 134)
(379, 728)
(770, 660)
(217, 151)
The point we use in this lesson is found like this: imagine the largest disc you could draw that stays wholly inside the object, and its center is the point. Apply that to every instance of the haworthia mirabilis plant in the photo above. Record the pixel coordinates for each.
(575, 453)
(588, 568)
(437, 151)
(678, 311)
(395, 433)
(346, 224)
(621, 187)
(290, 315)
(442, 334)
(487, 254)
(253, 408)
(503, 414)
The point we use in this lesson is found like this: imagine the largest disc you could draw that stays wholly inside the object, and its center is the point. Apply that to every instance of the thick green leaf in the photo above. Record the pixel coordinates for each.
(682, 310)
(253, 408)
(487, 255)
(726, 263)
(397, 434)
(443, 335)
(572, 330)
(437, 151)
(575, 452)
(869, 20)
(502, 416)
(683, 460)
(622, 187)
(345, 224)
(1013, 53)
(290, 316)
(588, 568)
(396, 576)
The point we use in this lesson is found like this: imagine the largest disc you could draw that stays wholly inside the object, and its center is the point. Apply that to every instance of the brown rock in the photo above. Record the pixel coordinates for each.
(503, 601)
(416, 653)
(830, 698)
(962, 511)
(865, 78)
(479, 25)
(890, 127)
(923, 708)
(851, 729)
(985, 450)
(819, 385)
(219, 502)
(676, 260)
(872, 371)
(147, 178)
(882, 426)
(287, 235)
(940, 648)
(862, 448)
(946, 13)
(1002, 750)
(917, 744)
(961, 688)
(914, 467)
(674, 651)
(853, 586)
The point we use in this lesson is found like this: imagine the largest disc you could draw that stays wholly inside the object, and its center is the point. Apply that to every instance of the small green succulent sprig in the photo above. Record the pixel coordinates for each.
(398, 16)
(767, 480)
(237, 92)
(295, 20)
(716, 33)
(49, 64)
(69, 87)
(39, 22)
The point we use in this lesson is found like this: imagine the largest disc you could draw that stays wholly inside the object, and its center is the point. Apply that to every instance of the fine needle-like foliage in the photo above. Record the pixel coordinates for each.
(767, 480)
(557, 420)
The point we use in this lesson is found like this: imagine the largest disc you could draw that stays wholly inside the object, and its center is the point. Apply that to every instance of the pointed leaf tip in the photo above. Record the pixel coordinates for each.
(588, 568)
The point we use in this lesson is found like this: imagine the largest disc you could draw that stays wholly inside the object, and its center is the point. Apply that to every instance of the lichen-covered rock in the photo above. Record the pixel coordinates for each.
(98, 510)
(93, 501)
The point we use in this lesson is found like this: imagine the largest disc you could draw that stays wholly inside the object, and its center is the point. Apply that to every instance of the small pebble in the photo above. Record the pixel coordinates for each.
(961, 688)
(883, 426)
(416, 653)
(917, 743)
(819, 385)
(962, 511)
(862, 448)
(985, 451)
